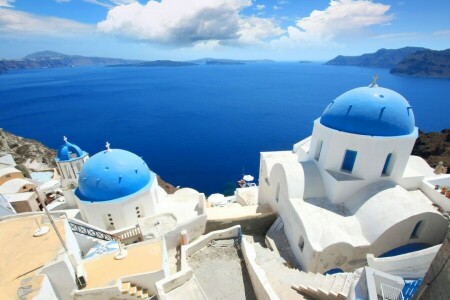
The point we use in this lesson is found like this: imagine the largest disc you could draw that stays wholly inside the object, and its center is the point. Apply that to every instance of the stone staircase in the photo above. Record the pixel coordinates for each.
(325, 287)
(278, 273)
(132, 291)
(291, 283)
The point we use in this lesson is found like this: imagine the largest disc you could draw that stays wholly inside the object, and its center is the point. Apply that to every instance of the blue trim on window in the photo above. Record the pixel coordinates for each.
(386, 164)
(349, 160)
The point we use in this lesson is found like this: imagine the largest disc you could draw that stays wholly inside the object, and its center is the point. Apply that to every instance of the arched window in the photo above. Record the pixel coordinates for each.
(416, 230)
(387, 165)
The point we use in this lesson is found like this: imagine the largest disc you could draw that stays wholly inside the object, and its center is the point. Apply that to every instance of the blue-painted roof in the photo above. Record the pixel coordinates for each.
(69, 151)
(371, 111)
(109, 175)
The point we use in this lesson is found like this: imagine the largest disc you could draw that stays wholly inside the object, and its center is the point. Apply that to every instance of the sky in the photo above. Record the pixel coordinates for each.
(283, 30)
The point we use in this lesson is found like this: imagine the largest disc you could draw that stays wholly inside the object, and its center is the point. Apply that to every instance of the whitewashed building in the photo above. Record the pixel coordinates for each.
(353, 188)
(70, 161)
(115, 189)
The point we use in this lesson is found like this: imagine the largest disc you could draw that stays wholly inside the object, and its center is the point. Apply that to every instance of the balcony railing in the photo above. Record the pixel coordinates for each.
(77, 228)
(391, 293)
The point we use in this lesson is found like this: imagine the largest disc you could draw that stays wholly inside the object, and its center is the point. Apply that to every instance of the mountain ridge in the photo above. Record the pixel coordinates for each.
(51, 59)
(426, 63)
(382, 58)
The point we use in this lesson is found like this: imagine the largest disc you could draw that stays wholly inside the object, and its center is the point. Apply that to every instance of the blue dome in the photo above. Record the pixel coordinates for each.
(371, 111)
(69, 151)
(109, 175)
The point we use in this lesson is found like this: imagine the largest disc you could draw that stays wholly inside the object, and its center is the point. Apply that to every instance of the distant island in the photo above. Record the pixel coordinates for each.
(224, 61)
(51, 59)
(383, 58)
(426, 63)
(157, 63)
(412, 61)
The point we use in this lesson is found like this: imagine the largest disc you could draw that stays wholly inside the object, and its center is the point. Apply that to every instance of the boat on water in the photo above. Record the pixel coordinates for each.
(246, 181)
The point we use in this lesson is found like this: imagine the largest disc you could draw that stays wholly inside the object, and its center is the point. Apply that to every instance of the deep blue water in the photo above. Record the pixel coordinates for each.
(195, 126)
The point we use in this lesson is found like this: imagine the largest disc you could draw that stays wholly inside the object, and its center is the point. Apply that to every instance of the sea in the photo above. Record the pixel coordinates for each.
(199, 126)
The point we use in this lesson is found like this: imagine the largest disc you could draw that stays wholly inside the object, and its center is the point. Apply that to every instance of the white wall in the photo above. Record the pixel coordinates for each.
(370, 159)
(260, 283)
(71, 241)
(194, 227)
(123, 210)
(409, 265)
(62, 277)
(435, 195)
(46, 292)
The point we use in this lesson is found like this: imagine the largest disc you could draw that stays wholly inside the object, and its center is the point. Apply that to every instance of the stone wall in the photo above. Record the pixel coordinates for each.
(436, 283)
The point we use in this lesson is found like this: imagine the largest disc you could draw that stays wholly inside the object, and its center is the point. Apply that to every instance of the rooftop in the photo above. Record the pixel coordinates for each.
(8, 170)
(104, 270)
(24, 254)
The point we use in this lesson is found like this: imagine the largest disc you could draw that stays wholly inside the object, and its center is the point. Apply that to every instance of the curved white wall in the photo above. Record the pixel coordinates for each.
(122, 211)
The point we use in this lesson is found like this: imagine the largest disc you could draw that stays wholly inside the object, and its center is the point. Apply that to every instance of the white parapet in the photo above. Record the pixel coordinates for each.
(410, 265)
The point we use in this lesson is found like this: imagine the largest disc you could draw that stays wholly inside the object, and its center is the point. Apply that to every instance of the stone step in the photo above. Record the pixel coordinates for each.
(139, 292)
(327, 284)
(337, 286)
(125, 288)
(144, 294)
(133, 290)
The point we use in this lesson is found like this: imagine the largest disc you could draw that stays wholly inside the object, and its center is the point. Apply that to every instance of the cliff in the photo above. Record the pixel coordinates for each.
(427, 63)
(50, 59)
(434, 147)
(30, 153)
(383, 58)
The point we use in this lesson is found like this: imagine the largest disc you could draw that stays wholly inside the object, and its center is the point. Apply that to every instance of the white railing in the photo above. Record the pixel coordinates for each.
(391, 293)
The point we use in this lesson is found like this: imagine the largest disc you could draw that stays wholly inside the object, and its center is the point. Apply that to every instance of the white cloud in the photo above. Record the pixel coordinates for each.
(21, 23)
(442, 33)
(397, 36)
(260, 6)
(188, 22)
(107, 3)
(340, 19)
(276, 7)
(254, 30)
(6, 3)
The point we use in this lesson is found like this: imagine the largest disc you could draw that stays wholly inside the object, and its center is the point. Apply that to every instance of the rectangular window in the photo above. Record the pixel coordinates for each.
(386, 169)
(318, 150)
(349, 160)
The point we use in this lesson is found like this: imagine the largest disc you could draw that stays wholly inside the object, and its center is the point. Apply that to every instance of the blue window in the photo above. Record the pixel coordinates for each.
(349, 160)
(386, 164)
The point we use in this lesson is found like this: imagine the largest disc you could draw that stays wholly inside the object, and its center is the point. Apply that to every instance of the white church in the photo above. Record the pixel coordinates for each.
(352, 187)
(114, 188)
